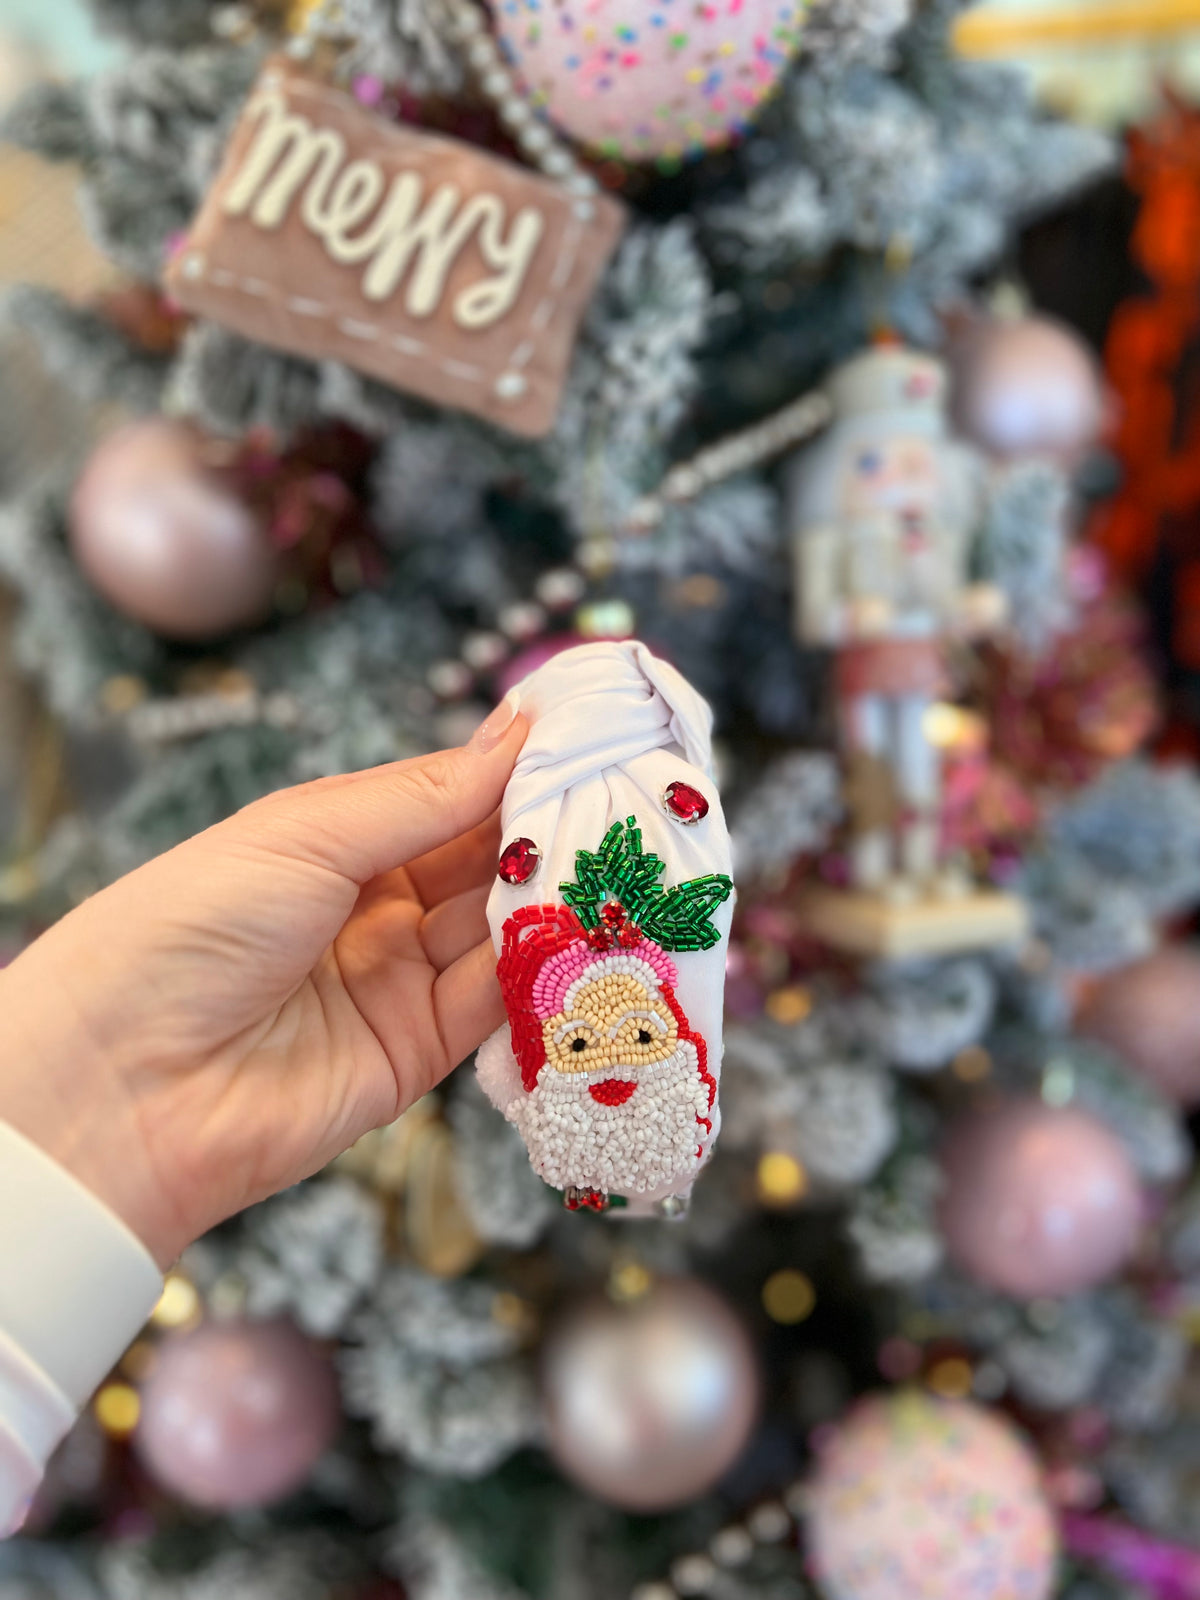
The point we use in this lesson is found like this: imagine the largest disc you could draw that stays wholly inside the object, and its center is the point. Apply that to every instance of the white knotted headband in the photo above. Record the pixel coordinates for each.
(612, 729)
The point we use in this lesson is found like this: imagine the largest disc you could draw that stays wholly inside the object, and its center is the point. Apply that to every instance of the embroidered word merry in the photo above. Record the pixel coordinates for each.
(346, 206)
(439, 268)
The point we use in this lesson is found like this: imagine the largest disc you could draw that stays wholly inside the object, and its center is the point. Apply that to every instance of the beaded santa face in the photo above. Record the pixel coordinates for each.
(617, 1094)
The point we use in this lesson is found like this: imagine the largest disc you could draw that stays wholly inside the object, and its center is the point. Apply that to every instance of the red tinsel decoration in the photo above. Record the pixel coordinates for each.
(1058, 719)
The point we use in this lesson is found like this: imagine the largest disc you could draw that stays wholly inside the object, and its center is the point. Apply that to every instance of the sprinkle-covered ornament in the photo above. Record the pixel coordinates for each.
(930, 1500)
(1038, 1200)
(662, 78)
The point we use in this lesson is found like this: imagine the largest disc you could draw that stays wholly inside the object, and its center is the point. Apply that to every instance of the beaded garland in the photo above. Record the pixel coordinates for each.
(617, 1092)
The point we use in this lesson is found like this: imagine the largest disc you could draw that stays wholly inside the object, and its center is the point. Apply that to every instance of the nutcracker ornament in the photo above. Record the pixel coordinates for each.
(882, 510)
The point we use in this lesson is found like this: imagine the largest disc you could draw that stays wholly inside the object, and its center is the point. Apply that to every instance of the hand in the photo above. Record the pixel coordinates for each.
(231, 1016)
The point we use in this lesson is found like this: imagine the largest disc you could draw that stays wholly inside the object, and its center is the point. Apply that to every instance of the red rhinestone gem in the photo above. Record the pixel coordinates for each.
(684, 802)
(519, 861)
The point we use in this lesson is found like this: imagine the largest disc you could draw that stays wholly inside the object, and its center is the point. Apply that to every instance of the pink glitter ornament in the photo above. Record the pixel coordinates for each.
(928, 1499)
(236, 1413)
(638, 81)
(1038, 1200)
(1149, 1013)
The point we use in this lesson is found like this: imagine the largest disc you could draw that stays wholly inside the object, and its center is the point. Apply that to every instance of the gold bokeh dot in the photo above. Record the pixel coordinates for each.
(972, 1064)
(122, 693)
(701, 591)
(511, 1311)
(118, 1407)
(178, 1305)
(781, 1179)
(788, 1296)
(790, 1005)
(629, 1280)
(951, 1378)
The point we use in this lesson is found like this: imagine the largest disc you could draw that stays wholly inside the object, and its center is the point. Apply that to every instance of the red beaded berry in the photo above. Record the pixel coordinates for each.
(519, 861)
(685, 803)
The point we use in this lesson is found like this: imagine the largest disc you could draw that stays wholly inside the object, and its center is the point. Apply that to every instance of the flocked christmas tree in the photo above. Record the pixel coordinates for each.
(365, 502)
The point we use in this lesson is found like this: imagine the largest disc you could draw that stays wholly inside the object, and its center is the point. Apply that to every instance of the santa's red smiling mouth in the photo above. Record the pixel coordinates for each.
(612, 1092)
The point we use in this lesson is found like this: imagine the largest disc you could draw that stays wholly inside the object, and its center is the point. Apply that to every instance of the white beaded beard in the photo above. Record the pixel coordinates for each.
(642, 1147)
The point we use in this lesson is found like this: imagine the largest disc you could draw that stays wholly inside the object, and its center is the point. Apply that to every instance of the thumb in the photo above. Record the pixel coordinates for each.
(363, 824)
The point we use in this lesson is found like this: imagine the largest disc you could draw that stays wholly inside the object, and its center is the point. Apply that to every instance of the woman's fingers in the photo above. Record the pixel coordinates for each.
(462, 864)
(427, 1028)
(468, 1003)
(454, 927)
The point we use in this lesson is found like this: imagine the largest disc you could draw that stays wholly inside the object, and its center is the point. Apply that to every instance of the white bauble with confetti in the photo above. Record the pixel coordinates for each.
(930, 1500)
(660, 79)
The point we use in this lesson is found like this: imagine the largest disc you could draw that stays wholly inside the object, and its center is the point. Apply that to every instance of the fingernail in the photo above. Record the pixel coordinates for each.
(496, 724)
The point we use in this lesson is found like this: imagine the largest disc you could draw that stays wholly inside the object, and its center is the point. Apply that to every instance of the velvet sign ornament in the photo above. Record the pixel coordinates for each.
(420, 260)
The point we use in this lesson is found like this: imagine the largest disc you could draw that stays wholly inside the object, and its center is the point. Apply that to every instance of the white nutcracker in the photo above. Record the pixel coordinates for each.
(882, 511)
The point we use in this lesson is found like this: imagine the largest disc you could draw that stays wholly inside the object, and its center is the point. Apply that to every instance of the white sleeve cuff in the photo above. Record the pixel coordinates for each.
(76, 1286)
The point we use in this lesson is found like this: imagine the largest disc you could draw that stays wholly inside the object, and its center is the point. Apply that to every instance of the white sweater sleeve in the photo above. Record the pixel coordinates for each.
(75, 1288)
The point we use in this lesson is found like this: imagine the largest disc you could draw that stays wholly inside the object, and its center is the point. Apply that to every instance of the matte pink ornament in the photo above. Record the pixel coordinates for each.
(638, 79)
(236, 1413)
(647, 1404)
(1149, 1014)
(165, 539)
(1027, 386)
(915, 1498)
(1038, 1200)
(532, 656)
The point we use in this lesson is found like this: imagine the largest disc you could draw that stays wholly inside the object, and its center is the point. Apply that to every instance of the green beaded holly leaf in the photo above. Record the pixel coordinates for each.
(622, 873)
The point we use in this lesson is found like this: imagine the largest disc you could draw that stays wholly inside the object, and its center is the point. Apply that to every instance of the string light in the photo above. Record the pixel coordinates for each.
(949, 727)
(781, 1180)
(789, 1005)
(951, 1378)
(628, 1281)
(178, 1305)
(117, 1408)
(971, 1065)
(788, 1296)
(510, 1311)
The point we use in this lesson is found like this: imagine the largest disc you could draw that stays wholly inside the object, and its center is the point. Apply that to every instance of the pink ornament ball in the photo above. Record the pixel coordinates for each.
(1149, 1014)
(640, 79)
(165, 539)
(532, 656)
(916, 1498)
(1037, 1200)
(236, 1413)
(647, 1404)
(1027, 386)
